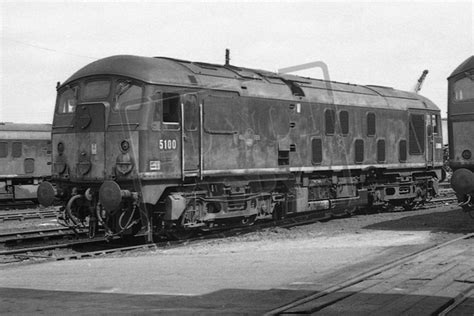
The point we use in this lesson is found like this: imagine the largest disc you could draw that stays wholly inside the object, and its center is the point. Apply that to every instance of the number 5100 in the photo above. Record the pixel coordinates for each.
(167, 144)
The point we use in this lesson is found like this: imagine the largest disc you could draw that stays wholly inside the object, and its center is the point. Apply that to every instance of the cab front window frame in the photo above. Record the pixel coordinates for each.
(67, 99)
(463, 89)
(96, 89)
(129, 95)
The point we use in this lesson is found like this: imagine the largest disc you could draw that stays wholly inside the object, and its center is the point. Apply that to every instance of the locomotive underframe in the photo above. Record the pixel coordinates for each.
(217, 203)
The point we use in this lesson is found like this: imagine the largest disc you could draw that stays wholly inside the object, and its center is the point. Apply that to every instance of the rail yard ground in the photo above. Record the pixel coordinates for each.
(262, 271)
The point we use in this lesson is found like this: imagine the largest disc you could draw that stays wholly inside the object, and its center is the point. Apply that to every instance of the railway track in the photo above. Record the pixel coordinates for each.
(105, 247)
(15, 205)
(325, 298)
(28, 215)
(18, 237)
(102, 247)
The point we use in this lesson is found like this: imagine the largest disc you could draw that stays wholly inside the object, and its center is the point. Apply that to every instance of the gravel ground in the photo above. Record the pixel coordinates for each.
(292, 261)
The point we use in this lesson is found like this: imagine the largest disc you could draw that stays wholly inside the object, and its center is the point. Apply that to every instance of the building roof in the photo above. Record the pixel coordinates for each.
(8, 126)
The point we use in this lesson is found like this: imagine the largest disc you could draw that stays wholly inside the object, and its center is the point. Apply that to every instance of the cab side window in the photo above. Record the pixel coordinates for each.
(171, 108)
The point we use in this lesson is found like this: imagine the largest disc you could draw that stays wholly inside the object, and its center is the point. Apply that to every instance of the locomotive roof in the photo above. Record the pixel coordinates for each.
(250, 82)
(466, 65)
(21, 127)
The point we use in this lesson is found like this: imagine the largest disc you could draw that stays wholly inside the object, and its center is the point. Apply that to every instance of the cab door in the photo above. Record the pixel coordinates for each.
(190, 127)
(434, 139)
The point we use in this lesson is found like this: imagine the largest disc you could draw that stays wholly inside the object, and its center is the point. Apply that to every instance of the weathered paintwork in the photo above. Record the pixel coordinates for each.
(191, 144)
(247, 119)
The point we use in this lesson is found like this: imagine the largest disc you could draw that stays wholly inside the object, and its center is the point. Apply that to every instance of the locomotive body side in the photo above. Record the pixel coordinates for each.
(25, 159)
(461, 131)
(176, 145)
(461, 116)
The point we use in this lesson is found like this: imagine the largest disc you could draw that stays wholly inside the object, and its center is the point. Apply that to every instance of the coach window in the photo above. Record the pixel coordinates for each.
(344, 121)
(170, 108)
(128, 96)
(370, 124)
(17, 149)
(329, 116)
(67, 100)
(3, 149)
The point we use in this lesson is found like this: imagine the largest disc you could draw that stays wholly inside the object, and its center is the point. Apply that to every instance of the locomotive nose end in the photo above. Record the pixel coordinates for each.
(462, 181)
(46, 193)
(110, 195)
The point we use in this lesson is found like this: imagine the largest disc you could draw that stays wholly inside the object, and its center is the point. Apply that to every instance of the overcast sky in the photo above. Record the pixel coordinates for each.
(382, 43)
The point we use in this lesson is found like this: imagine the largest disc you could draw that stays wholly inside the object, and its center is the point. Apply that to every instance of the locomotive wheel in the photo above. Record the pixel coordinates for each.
(351, 210)
(249, 221)
(278, 212)
(408, 205)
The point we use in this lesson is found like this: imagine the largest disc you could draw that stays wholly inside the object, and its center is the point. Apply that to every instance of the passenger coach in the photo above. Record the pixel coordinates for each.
(25, 159)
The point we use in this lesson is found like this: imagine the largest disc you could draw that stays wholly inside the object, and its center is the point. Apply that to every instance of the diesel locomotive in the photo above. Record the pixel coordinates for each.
(461, 131)
(168, 145)
(25, 160)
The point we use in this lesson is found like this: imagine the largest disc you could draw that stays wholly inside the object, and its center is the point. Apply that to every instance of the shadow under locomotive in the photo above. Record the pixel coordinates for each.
(453, 221)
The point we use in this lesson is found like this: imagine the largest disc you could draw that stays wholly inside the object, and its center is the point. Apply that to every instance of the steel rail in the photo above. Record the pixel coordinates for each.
(27, 235)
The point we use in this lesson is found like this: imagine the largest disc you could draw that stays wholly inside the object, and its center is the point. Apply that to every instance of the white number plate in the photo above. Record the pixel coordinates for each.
(167, 144)
(155, 165)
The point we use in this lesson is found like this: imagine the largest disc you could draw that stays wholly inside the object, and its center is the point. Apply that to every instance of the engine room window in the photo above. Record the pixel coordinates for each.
(464, 89)
(402, 151)
(3, 149)
(381, 150)
(128, 96)
(317, 151)
(344, 121)
(370, 124)
(17, 149)
(171, 108)
(67, 101)
(98, 89)
(329, 118)
(416, 134)
(359, 151)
